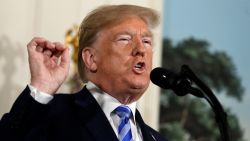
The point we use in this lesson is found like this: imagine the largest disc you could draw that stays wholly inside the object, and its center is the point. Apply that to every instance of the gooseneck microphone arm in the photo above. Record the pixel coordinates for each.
(220, 115)
(181, 85)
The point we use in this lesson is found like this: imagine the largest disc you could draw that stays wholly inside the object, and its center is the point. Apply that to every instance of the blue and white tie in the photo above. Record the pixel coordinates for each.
(124, 128)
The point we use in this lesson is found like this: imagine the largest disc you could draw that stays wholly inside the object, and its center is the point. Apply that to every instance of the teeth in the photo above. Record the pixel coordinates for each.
(139, 65)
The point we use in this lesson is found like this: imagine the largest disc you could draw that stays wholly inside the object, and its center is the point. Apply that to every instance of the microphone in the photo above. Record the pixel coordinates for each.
(181, 84)
(178, 82)
(163, 78)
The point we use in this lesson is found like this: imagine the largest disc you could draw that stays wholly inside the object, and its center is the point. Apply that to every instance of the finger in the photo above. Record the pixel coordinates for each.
(40, 44)
(47, 52)
(59, 46)
(55, 59)
(65, 61)
(37, 40)
(39, 49)
(31, 46)
(49, 45)
(57, 53)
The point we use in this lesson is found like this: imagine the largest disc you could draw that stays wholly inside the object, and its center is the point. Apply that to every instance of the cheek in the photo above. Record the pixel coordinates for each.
(149, 58)
(121, 62)
(120, 57)
(114, 61)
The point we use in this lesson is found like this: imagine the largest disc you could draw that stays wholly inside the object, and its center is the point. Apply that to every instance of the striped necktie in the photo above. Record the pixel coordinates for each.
(124, 128)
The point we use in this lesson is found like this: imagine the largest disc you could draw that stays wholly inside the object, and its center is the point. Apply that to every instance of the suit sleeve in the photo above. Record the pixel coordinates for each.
(24, 115)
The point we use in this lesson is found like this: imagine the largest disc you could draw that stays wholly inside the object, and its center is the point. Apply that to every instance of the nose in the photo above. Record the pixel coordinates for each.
(138, 48)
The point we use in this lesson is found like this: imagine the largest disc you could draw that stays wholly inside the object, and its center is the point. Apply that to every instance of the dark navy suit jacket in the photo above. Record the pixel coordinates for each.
(68, 117)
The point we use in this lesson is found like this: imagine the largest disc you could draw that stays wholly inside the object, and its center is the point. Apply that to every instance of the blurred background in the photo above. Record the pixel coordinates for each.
(212, 37)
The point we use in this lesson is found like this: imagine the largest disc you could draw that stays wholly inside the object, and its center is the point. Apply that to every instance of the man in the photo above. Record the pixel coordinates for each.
(115, 59)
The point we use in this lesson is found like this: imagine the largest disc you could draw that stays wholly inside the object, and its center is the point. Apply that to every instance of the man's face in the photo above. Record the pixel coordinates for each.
(123, 55)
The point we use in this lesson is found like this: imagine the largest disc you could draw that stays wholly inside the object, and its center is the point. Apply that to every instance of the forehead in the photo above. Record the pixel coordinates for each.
(128, 25)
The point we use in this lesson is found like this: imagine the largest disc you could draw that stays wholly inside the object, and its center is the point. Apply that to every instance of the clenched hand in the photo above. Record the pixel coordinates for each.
(49, 64)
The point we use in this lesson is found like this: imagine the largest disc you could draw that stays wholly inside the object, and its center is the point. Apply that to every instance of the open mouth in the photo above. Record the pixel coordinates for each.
(139, 67)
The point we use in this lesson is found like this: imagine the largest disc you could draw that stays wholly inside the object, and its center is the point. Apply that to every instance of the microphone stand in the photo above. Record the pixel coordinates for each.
(220, 115)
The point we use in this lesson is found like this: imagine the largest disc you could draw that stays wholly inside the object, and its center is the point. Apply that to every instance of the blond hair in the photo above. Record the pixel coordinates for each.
(103, 16)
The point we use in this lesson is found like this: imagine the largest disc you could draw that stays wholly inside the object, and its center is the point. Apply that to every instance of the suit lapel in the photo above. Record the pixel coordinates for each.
(146, 133)
(92, 117)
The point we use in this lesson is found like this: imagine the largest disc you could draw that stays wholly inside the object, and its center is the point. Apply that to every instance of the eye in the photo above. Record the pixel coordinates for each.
(147, 41)
(123, 39)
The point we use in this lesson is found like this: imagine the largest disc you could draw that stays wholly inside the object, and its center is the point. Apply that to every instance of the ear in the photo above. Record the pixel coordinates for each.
(88, 56)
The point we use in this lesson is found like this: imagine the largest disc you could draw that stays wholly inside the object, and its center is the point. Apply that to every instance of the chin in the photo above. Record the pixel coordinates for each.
(137, 92)
(140, 87)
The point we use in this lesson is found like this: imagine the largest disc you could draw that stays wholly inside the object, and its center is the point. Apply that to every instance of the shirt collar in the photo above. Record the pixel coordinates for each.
(106, 101)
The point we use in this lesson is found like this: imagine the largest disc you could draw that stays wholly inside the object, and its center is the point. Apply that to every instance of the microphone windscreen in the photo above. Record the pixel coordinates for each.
(164, 78)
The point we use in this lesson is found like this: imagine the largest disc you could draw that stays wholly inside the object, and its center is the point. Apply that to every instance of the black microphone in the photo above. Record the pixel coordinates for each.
(181, 84)
(168, 79)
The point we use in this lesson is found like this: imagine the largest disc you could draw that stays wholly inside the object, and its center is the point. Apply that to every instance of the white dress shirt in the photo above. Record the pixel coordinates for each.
(106, 102)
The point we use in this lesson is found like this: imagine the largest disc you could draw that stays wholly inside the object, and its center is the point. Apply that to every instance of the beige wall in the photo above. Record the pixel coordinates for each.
(20, 20)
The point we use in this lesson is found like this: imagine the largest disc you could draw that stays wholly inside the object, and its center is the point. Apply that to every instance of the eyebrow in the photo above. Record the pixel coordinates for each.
(144, 34)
